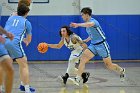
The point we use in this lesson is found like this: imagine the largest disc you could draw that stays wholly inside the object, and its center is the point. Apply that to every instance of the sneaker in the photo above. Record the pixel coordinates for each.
(60, 79)
(22, 88)
(65, 78)
(122, 75)
(85, 76)
(76, 82)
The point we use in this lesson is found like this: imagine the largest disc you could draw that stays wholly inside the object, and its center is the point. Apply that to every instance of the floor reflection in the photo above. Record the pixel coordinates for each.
(83, 89)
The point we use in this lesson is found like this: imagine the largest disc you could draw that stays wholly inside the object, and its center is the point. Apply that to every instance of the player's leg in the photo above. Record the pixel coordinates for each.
(17, 52)
(86, 56)
(23, 69)
(114, 67)
(71, 69)
(1, 78)
(8, 72)
(24, 74)
(7, 69)
(103, 50)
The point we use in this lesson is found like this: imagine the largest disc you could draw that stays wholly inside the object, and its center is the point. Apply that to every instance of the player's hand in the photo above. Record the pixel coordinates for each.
(2, 40)
(26, 41)
(10, 35)
(74, 25)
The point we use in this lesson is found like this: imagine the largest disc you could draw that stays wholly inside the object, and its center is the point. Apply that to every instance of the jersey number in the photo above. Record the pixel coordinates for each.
(15, 23)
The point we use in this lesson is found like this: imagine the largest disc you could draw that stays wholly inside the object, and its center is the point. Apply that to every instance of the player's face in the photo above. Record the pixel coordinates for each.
(85, 16)
(64, 32)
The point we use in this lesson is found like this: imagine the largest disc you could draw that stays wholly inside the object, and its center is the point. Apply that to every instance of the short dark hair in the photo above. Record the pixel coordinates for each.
(87, 10)
(22, 9)
(68, 30)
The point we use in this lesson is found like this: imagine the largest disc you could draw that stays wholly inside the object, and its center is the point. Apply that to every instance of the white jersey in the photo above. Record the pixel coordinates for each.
(73, 47)
(76, 51)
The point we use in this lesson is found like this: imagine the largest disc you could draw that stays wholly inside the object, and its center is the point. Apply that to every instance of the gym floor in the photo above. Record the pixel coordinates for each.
(44, 78)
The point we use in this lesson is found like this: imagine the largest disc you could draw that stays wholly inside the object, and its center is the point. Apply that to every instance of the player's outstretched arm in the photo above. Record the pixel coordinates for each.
(57, 46)
(9, 35)
(2, 31)
(86, 24)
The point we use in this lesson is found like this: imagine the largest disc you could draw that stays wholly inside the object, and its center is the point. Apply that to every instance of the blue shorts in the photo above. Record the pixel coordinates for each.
(14, 48)
(3, 50)
(100, 49)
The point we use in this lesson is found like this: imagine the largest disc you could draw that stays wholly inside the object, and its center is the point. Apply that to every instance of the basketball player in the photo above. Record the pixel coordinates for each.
(5, 64)
(27, 3)
(19, 26)
(98, 44)
(76, 45)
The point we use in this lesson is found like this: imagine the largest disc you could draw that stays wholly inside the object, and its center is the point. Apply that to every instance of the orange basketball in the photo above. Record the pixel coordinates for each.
(42, 47)
(26, 2)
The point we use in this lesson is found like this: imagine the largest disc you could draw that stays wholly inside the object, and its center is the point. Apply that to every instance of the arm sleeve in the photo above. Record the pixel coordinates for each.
(28, 28)
(95, 22)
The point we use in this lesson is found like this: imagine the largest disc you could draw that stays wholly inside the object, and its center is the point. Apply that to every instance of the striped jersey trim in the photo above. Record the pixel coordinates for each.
(100, 32)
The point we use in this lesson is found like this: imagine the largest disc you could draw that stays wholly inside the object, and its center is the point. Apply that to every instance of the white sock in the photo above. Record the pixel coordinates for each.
(22, 83)
(27, 88)
(0, 87)
(78, 78)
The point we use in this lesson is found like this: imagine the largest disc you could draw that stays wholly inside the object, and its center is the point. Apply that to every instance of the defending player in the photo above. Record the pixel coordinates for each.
(98, 44)
(19, 26)
(5, 64)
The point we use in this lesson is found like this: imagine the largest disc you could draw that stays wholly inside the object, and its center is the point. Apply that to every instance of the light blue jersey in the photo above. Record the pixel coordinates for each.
(95, 32)
(18, 26)
(99, 45)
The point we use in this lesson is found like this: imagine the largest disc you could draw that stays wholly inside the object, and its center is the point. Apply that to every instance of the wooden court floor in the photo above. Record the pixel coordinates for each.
(44, 79)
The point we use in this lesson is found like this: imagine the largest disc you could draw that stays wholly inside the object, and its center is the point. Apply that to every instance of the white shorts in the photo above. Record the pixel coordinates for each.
(4, 57)
(74, 58)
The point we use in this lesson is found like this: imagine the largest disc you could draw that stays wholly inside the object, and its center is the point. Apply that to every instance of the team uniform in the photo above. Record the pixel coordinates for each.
(3, 51)
(18, 26)
(76, 51)
(3, 56)
(99, 45)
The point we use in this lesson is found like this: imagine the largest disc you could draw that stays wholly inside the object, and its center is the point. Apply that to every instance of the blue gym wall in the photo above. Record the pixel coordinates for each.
(120, 20)
(122, 32)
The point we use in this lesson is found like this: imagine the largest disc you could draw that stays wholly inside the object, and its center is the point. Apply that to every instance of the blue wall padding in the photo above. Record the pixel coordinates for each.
(122, 32)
